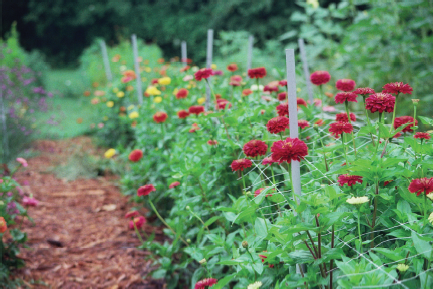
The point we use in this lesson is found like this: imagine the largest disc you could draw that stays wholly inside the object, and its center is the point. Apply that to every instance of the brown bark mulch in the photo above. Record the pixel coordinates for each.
(80, 238)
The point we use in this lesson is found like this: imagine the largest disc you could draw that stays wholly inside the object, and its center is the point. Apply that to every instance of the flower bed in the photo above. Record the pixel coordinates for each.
(220, 180)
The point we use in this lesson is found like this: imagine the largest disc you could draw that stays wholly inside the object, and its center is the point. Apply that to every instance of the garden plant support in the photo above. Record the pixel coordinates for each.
(106, 62)
(137, 69)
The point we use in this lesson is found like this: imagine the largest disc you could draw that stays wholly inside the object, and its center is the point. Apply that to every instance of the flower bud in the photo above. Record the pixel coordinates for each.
(245, 244)
(402, 267)
(187, 208)
(202, 262)
(188, 240)
(415, 101)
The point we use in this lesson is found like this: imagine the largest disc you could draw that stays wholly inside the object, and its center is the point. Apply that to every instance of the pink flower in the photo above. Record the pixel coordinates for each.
(22, 161)
(329, 108)
(345, 84)
(139, 222)
(145, 190)
(174, 184)
(131, 214)
(31, 202)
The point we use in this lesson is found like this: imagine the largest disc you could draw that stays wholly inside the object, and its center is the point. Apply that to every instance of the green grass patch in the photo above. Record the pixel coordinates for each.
(71, 112)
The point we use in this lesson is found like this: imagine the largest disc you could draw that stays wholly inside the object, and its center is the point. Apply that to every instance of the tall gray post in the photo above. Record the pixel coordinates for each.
(184, 55)
(306, 70)
(106, 61)
(209, 64)
(137, 69)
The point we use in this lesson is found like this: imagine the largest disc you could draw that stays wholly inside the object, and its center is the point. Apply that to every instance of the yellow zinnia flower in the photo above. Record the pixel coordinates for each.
(131, 107)
(152, 90)
(201, 100)
(157, 99)
(110, 103)
(148, 69)
(110, 153)
(115, 90)
(133, 115)
(213, 66)
(164, 80)
(120, 94)
(175, 91)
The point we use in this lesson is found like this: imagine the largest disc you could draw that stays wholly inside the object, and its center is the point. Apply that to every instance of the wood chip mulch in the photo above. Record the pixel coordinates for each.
(80, 238)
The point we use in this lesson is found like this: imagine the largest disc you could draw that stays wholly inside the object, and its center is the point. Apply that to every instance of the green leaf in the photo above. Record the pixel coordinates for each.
(211, 220)
(421, 246)
(260, 227)
(224, 281)
(392, 255)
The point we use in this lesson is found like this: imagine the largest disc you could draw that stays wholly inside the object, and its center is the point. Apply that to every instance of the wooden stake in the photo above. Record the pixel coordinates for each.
(306, 70)
(184, 55)
(137, 69)
(106, 61)
(209, 64)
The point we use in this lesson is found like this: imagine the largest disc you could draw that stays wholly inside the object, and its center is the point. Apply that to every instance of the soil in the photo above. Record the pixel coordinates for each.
(80, 238)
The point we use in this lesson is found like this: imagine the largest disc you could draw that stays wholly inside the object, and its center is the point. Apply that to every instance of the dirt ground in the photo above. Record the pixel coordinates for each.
(80, 238)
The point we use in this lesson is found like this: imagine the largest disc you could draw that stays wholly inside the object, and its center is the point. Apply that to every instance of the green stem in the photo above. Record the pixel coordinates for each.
(321, 98)
(137, 232)
(350, 121)
(359, 229)
(373, 222)
(165, 223)
(291, 182)
(344, 147)
(425, 210)
(393, 113)
(243, 180)
(273, 176)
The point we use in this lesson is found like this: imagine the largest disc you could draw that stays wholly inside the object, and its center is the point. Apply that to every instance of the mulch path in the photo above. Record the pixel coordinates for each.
(80, 238)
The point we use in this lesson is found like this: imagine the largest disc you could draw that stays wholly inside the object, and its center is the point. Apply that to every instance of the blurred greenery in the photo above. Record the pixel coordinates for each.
(62, 29)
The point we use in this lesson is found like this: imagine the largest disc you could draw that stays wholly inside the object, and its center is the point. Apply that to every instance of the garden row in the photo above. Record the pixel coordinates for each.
(221, 179)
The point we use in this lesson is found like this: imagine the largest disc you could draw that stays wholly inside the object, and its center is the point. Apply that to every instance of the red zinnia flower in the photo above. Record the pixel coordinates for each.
(399, 121)
(131, 214)
(288, 150)
(241, 164)
(145, 190)
(341, 97)
(257, 192)
(345, 84)
(155, 81)
(337, 128)
(282, 96)
(300, 101)
(185, 68)
(194, 128)
(160, 117)
(221, 103)
(302, 123)
(235, 80)
(203, 74)
(246, 92)
(319, 122)
(397, 87)
(283, 109)
(268, 161)
(349, 180)
(380, 102)
(270, 88)
(320, 77)
(259, 72)
(182, 93)
(422, 135)
(182, 114)
(212, 142)
(343, 117)
(205, 282)
(139, 222)
(173, 184)
(277, 124)
(196, 109)
(232, 67)
(3, 225)
(135, 155)
(282, 82)
(423, 185)
(255, 148)
(364, 90)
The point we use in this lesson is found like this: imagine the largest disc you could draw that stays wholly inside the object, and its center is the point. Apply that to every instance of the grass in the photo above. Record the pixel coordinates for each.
(68, 106)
